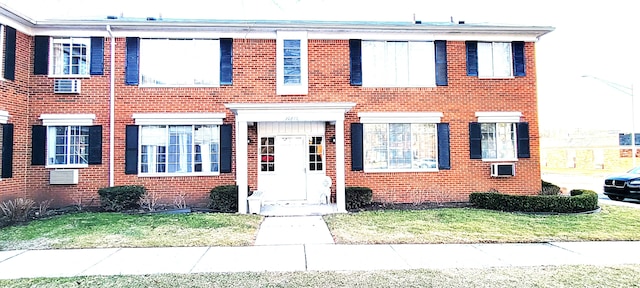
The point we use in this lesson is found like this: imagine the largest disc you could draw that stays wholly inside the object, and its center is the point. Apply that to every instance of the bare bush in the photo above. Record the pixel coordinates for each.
(149, 201)
(17, 209)
(180, 201)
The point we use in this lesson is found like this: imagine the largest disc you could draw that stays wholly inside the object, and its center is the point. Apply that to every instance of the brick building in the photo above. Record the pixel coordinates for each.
(416, 111)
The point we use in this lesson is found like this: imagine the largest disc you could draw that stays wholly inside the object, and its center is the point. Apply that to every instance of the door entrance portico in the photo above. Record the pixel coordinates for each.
(289, 113)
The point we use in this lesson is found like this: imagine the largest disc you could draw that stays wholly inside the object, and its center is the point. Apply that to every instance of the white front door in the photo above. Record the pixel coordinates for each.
(291, 168)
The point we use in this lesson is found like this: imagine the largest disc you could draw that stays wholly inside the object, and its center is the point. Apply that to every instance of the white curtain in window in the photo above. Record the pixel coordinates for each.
(494, 59)
(398, 64)
(180, 62)
(153, 137)
(502, 64)
(485, 59)
(373, 55)
(506, 138)
(206, 137)
(180, 150)
(422, 65)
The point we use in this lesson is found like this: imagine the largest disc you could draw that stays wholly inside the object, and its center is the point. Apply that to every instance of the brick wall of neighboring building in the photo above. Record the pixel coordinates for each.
(14, 99)
(254, 78)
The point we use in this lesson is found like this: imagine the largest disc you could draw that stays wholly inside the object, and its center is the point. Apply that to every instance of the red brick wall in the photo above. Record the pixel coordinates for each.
(14, 99)
(254, 81)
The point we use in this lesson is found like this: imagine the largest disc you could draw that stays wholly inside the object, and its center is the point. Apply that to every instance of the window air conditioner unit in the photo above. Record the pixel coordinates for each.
(66, 86)
(503, 169)
(62, 177)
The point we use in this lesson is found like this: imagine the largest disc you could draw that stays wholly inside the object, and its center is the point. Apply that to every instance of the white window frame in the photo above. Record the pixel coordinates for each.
(398, 64)
(4, 119)
(194, 63)
(401, 118)
(303, 87)
(177, 119)
(64, 120)
(489, 58)
(501, 117)
(82, 40)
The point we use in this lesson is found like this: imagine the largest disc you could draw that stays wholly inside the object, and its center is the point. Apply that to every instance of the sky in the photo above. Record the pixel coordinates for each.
(591, 38)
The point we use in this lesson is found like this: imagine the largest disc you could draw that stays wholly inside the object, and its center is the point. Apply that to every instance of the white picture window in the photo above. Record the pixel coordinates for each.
(398, 64)
(400, 146)
(69, 56)
(179, 149)
(495, 60)
(67, 145)
(498, 141)
(292, 65)
(180, 62)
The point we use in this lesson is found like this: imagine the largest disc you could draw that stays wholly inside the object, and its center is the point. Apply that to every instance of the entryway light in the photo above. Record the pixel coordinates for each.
(333, 139)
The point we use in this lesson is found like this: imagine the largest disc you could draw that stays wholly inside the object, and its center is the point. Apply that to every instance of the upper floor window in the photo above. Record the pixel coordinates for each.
(180, 62)
(398, 64)
(69, 56)
(494, 59)
(292, 69)
(292, 63)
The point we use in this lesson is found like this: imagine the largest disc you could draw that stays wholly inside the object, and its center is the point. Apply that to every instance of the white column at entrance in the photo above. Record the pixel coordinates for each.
(340, 178)
(241, 165)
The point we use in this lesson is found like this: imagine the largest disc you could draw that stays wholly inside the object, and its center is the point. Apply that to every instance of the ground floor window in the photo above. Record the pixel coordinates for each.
(67, 145)
(267, 157)
(179, 149)
(400, 146)
(315, 153)
(498, 140)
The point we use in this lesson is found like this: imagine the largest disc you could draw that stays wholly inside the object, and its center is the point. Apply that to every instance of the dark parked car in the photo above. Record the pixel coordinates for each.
(627, 185)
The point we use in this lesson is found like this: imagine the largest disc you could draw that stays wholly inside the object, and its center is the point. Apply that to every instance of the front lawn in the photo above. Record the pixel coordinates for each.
(468, 225)
(107, 230)
(517, 277)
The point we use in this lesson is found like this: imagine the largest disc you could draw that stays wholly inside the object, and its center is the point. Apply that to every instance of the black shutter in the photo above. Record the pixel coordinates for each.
(41, 55)
(97, 56)
(444, 154)
(442, 78)
(475, 140)
(10, 53)
(7, 150)
(472, 58)
(225, 148)
(517, 49)
(38, 144)
(357, 159)
(131, 152)
(226, 61)
(522, 130)
(355, 61)
(132, 70)
(95, 144)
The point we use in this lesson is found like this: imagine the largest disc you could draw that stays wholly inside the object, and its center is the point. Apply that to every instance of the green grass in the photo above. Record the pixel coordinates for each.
(468, 225)
(520, 277)
(106, 230)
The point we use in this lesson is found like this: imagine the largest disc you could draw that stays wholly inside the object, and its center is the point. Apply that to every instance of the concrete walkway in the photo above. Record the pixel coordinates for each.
(280, 246)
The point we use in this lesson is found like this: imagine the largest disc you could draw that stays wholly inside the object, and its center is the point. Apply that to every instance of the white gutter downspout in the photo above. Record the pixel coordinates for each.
(111, 104)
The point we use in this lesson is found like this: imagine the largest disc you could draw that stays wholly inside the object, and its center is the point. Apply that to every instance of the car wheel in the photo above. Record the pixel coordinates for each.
(615, 198)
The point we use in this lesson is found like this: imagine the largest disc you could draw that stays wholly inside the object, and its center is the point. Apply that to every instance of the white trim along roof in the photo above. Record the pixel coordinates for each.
(153, 27)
